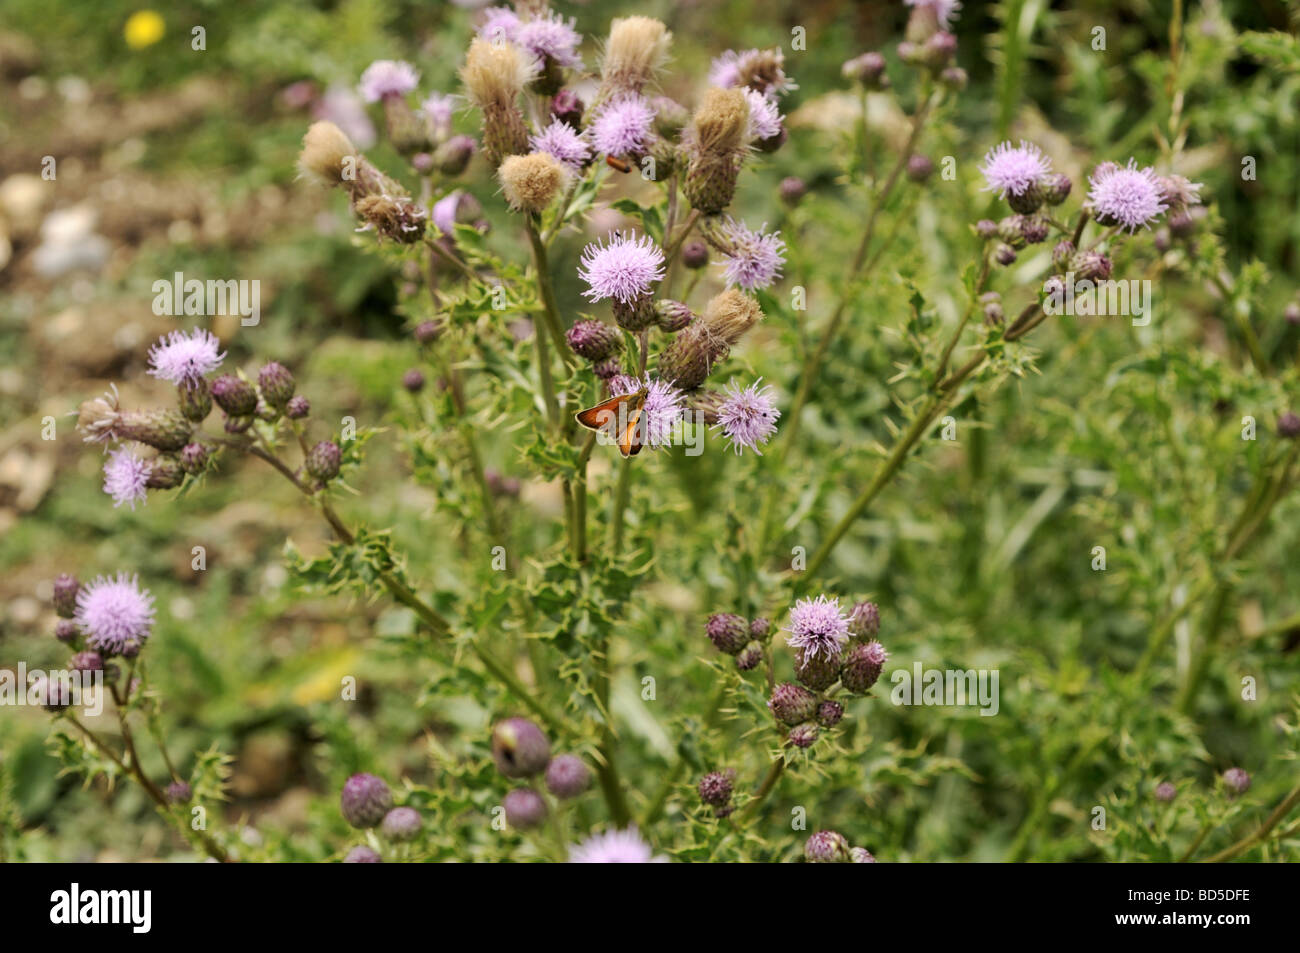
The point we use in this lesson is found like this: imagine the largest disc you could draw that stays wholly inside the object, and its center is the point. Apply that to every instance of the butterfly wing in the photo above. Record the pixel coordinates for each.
(622, 411)
(629, 444)
(604, 416)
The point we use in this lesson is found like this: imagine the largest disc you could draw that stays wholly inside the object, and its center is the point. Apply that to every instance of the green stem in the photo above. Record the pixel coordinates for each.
(1246, 843)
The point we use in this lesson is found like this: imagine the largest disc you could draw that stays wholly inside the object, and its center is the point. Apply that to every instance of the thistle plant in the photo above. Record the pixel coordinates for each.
(665, 655)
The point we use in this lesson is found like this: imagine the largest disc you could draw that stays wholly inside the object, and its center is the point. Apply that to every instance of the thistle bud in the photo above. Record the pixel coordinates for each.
(323, 461)
(695, 254)
(298, 408)
(672, 316)
(194, 398)
(986, 228)
(406, 131)
(194, 458)
(66, 588)
(864, 620)
(86, 662)
(715, 791)
(691, 356)
(1027, 201)
(829, 713)
(452, 157)
(826, 847)
(328, 156)
(993, 312)
(1288, 425)
(276, 384)
(748, 658)
(1292, 313)
(165, 473)
(365, 800)
(862, 665)
(1004, 254)
(396, 218)
(55, 694)
(1181, 224)
(1034, 229)
(919, 168)
(594, 340)
(531, 183)
(954, 78)
(609, 369)
(635, 315)
(413, 380)
(792, 704)
(714, 145)
(818, 672)
(635, 51)
(361, 854)
(567, 107)
(1055, 188)
(65, 630)
(792, 190)
(519, 748)
(867, 69)
(671, 116)
(1237, 781)
(1091, 265)
(1166, 792)
(938, 51)
(804, 735)
(1012, 230)
(178, 792)
(525, 809)
(860, 855)
(401, 824)
(761, 628)
(426, 332)
(1062, 253)
(727, 631)
(567, 776)
(234, 395)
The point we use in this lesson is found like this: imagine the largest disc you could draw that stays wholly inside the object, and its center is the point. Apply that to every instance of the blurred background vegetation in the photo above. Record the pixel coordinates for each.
(172, 159)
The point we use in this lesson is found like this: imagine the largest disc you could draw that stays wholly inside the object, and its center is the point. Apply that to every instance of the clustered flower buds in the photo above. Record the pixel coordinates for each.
(715, 790)
(521, 751)
(733, 635)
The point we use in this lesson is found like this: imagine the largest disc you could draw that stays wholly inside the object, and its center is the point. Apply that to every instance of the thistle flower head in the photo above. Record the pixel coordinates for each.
(565, 143)
(1166, 792)
(499, 24)
(636, 50)
(727, 631)
(1013, 169)
(401, 824)
(864, 620)
(525, 809)
(715, 788)
(663, 406)
(720, 123)
(1125, 195)
(750, 259)
(747, 416)
(624, 269)
(550, 37)
(494, 74)
(792, 704)
(615, 847)
(1178, 192)
(126, 476)
(530, 183)
(361, 854)
(860, 855)
(182, 358)
(818, 627)
(623, 127)
(764, 117)
(1237, 781)
(325, 152)
(760, 70)
(384, 78)
(115, 614)
(862, 666)
(437, 109)
(519, 748)
(66, 587)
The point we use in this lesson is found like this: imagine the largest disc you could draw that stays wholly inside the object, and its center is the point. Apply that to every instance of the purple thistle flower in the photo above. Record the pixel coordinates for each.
(724, 71)
(126, 476)
(551, 37)
(1125, 195)
(747, 417)
(387, 78)
(444, 212)
(624, 127)
(564, 142)
(764, 117)
(615, 847)
(181, 358)
(115, 614)
(623, 270)
(818, 626)
(663, 406)
(752, 260)
(729, 69)
(437, 109)
(945, 11)
(500, 24)
(1013, 169)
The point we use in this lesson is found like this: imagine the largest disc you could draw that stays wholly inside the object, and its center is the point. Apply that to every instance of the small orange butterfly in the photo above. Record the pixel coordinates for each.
(619, 417)
(622, 165)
